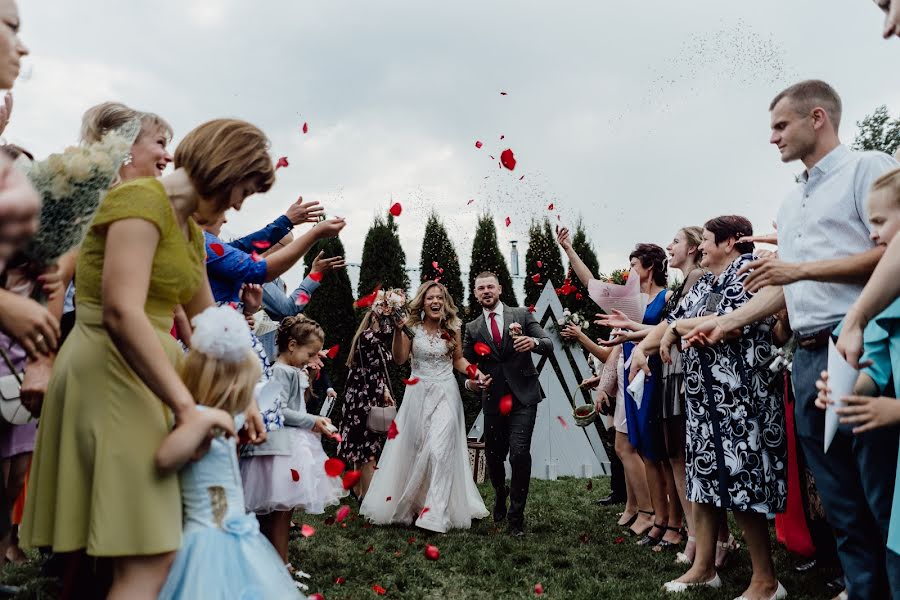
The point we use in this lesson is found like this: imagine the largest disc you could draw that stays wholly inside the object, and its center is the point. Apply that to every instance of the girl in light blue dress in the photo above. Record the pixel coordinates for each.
(223, 554)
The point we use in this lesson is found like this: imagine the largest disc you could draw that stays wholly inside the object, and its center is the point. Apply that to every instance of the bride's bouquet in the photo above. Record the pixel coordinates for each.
(72, 185)
(393, 303)
(569, 318)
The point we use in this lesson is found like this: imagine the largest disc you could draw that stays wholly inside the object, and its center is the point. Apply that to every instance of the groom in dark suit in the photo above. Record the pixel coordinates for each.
(511, 334)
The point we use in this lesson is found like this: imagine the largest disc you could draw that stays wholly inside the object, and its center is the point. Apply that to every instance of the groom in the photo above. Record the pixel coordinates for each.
(509, 372)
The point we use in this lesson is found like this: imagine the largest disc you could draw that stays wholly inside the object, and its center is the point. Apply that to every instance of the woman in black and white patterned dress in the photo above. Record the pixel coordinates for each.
(736, 444)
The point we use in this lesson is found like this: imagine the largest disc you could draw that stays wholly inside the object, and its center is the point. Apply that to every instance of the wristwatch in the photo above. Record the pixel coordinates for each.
(536, 341)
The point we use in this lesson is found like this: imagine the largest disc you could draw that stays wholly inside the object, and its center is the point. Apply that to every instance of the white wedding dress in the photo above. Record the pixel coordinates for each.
(426, 466)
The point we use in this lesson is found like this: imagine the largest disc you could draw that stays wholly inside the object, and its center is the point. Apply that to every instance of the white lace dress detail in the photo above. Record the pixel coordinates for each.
(427, 464)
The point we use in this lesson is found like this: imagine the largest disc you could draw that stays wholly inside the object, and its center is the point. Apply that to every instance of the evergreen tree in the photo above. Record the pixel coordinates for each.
(878, 132)
(383, 259)
(486, 256)
(543, 261)
(332, 307)
(438, 249)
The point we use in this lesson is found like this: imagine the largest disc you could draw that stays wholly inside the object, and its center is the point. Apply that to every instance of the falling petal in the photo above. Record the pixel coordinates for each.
(482, 349)
(392, 431)
(618, 540)
(508, 160)
(339, 580)
(351, 478)
(305, 128)
(337, 437)
(333, 351)
(369, 300)
(341, 513)
(411, 541)
(470, 201)
(521, 178)
(531, 308)
(217, 249)
(370, 549)
(316, 276)
(307, 530)
(396, 209)
(334, 467)
(478, 144)
(434, 264)
(536, 278)
(506, 403)
(255, 257)
(281, 162)
(538, 589)
(411, 381)
(432, 552)
(295, 474)
(563, 422)
(502, 93)
(388, 499)
(261, 244)
(550, 207)
(316, 596)
(539, 264)
(379, 590)
(302, 299)
(424, 510)
(508, 221)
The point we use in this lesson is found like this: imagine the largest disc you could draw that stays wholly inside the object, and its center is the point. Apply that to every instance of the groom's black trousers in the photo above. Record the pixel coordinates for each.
(511, 434)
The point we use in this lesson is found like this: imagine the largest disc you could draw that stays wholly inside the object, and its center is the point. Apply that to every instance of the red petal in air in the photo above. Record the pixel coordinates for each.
(410, 381)
(482, 349)
(563, 422)
(396, 209)
(432, 552)
(411, 541)
(434, 264)
(369, 300)
(531, 308)
(295, 474)
(578, 296)
(536, 278)
(445, 335)
(470, 201)
(472, 371)
(333, 351)
(317, 276)
(379, 590)
(307, 530)
(370, 549)
(437, 279)
(255, 257)
(302, 299)
(538, 589)
(508, 159)
(521, 178)
(334, 467)
(341, 513)
(305, 128)
(424, 510)
(217, 249)
(441, 270)
(502, 136)
(508, 221)
(506, 403)
(392, 431)
(261, 244)
(337, 437)
(478, 144)
(502, 93)
(388, 499)
(539, 264)
(550, 207)
(281, 162)
(351, 478)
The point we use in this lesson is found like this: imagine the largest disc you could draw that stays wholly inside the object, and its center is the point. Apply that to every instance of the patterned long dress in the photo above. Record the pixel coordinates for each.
(366, 383)
(736, 444)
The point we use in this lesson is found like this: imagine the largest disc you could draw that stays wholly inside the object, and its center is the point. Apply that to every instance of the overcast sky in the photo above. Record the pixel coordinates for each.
(640, 117)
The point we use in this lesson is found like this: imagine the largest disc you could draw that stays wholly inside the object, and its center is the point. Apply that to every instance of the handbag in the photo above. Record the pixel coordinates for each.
(380, 417)
(11, 408)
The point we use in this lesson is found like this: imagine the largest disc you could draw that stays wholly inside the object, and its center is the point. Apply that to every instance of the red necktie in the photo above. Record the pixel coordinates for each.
(495, 331)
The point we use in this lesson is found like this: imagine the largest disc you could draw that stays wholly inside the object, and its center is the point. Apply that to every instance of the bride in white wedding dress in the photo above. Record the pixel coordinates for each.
(423, 475)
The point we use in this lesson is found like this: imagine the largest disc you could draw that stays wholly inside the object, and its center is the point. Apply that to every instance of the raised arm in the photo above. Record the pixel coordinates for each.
(281, 260)
(581, 270)
(768, 301)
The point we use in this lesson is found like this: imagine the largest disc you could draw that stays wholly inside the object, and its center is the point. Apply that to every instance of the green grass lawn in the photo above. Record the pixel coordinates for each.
(573, 548)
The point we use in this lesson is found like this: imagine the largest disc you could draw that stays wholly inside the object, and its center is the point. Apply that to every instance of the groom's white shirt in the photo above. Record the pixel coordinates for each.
(498, 310)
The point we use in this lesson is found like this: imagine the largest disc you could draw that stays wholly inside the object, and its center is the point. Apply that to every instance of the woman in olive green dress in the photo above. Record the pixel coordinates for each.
(115, 391)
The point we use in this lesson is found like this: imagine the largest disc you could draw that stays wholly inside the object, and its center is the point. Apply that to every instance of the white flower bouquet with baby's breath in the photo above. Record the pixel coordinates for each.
(72, 185)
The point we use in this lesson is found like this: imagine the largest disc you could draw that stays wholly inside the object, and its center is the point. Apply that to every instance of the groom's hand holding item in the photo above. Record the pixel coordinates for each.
(479, 384)
(524, 344)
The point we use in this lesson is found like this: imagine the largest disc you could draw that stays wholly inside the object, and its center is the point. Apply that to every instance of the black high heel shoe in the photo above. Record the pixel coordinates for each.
(651, 540)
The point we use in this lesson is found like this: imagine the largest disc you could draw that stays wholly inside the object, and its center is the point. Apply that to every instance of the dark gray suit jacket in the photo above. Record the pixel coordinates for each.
(512, 372)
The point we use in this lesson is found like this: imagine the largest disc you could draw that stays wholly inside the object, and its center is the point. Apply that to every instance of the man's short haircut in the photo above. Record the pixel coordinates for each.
(810, 94)
(486, 274)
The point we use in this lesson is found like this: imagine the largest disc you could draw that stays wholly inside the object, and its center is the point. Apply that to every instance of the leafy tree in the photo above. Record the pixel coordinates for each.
(437, 249)
(543, 261)
(486, 256)
(383, 259)
(878, 132)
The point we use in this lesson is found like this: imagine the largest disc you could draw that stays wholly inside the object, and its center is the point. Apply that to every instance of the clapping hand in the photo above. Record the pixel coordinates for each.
(304, 212)
(321, 264)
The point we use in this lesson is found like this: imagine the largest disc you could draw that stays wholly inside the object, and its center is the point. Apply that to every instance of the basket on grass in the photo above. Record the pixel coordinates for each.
(584, 415)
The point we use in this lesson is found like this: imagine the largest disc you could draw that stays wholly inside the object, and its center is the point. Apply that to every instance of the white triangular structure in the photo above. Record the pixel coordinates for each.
(559, 448)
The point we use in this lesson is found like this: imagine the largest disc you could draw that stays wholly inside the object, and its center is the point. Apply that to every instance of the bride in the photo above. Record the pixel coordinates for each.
(424, 475)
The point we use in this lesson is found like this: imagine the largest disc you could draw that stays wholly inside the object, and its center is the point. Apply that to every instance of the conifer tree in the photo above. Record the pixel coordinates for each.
(439, 260)
(543, 261)
(486, 256)
(383, 259)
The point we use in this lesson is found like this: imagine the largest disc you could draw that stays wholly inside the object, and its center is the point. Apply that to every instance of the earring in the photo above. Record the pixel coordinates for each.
(421, 315)
(128, 160)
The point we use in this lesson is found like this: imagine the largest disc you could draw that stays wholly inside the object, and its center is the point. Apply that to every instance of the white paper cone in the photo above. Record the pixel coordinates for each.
(841, 381)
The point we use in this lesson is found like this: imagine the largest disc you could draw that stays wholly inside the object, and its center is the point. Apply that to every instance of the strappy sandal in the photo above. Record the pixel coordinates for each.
(645, 531)
(651, 540)
(629, 522)
(730, 547)
(666, 544)
(682, 558)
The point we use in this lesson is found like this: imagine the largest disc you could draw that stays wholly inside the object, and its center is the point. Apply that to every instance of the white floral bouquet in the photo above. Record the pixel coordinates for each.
(72, 185)
(393, 303)
(569, 318)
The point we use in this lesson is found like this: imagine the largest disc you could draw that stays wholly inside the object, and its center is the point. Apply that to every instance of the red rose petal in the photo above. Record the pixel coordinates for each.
(392, 431)
(337, 437)
(539, 264)
(334, 467)
(339, 580)
(578, 296)
(410, 381)
(424, 510)
(508, 221)
(307, 530)
(333, 351)
(470, 201)
(379, 590)
(217, 249)
(396, 209)
(261, 244)
(472, 371)
(536, 278)
(388, 499)
(370, 549)
(317, 276)
(445, 335)
(618, 540)
(351, 478)
(341, 513)
(563, 422)
(550, 207)
(437, 279)
(538, 589)
(434, 264)
(531, 308)
(305, 128)
(478, 144)
(432, 552)
(521, 178)
(502, 93)
(369, 300)
(281, 162)
(316, 596)
(302, 299)
(255, 257)
(502, 136)
(482, 349)
(506, 403)
(295, 474)
(508, 159)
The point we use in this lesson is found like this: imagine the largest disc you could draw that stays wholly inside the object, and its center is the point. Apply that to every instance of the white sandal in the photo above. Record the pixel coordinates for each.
(780, 594)
(681, 558)
(676, 587)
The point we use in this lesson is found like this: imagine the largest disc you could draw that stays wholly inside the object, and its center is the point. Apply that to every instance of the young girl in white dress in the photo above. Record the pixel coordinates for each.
(287, 472)
(423, 476)
(223, 554)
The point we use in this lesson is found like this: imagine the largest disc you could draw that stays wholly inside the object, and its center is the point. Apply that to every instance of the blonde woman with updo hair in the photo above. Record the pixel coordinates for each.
(115, 391)
(424, 476)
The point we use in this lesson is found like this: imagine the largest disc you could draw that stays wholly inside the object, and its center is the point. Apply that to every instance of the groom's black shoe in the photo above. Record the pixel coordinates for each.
(500, 504)
(610, 500)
